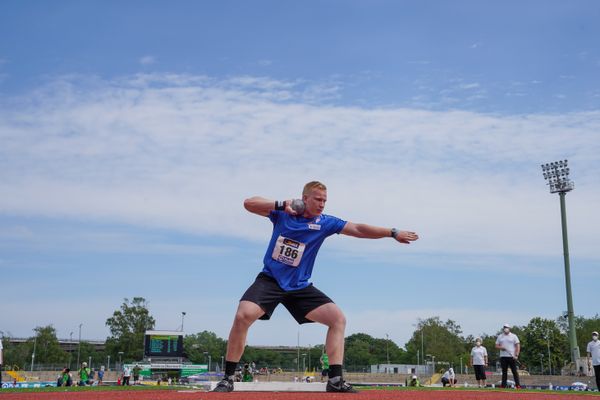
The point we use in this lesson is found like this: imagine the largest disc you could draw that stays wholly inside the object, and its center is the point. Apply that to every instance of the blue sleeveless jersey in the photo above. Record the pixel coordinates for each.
(294, 245)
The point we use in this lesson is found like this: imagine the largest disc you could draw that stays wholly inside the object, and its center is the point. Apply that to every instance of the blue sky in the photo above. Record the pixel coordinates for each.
(132, 131)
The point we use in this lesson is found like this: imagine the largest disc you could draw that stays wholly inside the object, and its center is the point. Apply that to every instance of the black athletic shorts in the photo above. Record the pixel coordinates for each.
(265, 292)
(479, 372)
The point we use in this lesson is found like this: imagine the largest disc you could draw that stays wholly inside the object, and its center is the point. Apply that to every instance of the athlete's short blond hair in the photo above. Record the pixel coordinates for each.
(313, 185)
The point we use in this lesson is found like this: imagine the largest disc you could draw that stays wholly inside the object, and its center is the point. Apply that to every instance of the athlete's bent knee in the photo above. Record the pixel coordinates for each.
(337, 321)
(244, 318)
(341, 321)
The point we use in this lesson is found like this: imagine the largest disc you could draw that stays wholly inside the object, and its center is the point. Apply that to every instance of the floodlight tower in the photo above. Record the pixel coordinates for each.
(557, 175)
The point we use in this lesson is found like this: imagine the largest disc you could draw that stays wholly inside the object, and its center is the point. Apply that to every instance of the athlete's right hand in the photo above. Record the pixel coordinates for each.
(288, 207)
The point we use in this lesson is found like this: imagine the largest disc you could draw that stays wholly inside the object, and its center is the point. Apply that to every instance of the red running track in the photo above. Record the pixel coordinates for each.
(363, 395)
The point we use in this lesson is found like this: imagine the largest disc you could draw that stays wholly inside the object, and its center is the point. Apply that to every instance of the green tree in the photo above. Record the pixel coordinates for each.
(535, 338)
(198, 346)
(583, 329)
(271, 358)
(358, 351)
(88, 351)
(47, 349)
(362, 351)
(440, 339)
(16, 355)
(127, 327)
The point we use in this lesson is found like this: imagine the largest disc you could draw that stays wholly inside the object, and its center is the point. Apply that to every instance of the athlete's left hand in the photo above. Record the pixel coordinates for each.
(406, 237)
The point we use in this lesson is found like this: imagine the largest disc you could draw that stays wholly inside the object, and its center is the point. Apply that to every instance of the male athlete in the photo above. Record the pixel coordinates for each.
(288, 265)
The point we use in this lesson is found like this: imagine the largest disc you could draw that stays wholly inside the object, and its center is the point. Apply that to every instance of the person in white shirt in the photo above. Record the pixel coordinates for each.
(479, 360)
(126, 376)
(593, 353)
(509, 345)
(449, 378)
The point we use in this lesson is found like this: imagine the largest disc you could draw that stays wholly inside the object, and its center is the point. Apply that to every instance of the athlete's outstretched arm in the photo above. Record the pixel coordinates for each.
(365, 231)
(261, 206)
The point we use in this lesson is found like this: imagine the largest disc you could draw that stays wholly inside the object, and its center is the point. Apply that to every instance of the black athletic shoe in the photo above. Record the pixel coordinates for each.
(340, 387)
(226, 385)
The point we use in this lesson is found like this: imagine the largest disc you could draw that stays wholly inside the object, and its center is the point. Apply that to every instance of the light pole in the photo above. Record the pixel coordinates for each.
(541, 363)
(70, 348)
(387, 351)
(432, 363)
(222, 363)
(33, 354)
(557, 175)
(182, 316)
(549, 358)
(422, 350)
(303, 361)
(108, 362)
(121, 360)
(79, 346)
(420, 327)
(418, 360)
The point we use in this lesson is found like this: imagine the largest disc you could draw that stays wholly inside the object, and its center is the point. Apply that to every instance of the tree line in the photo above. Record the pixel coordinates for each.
(542, 340)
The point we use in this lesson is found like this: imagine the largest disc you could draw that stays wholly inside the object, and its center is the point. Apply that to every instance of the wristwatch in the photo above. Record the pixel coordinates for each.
(394, 233)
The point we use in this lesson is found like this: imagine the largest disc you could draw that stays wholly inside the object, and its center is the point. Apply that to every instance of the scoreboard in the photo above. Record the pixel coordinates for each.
(163, 343)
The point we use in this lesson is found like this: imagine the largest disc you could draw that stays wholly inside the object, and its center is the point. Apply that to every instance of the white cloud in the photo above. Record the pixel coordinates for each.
(265, 63)
(181, 152)
(147, 60)
(466, 86)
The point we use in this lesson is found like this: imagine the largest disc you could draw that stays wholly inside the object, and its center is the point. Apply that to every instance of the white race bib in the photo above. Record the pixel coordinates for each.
(288, 251)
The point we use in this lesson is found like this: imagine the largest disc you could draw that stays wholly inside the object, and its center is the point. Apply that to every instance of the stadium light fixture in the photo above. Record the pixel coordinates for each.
(557, 176)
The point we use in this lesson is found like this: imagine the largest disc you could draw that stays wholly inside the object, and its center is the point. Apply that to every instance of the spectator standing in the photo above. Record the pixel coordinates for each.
(126, 375)
(101, 375)
(449, 378)
(136, 374)
(509, 345)
(593, 353)
(479, 360)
